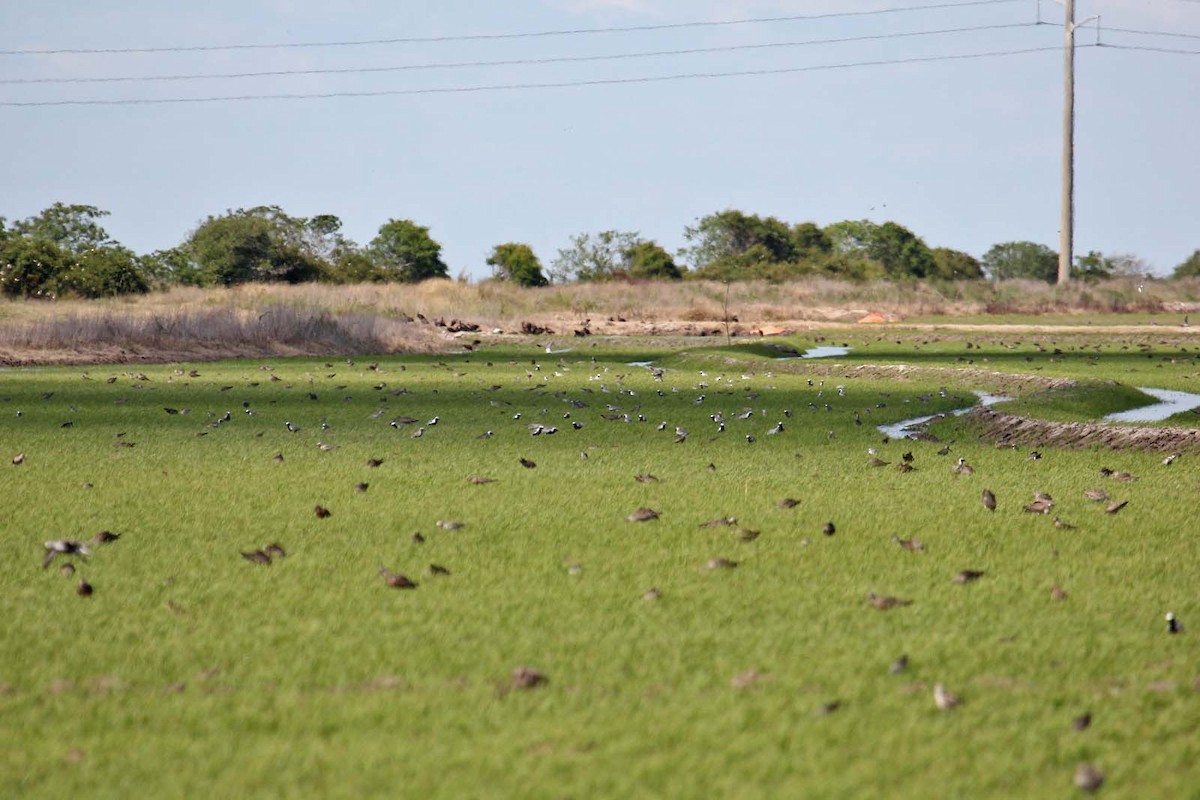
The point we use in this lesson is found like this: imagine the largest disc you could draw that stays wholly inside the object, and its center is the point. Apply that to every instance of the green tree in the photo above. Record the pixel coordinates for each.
(809, 241)
(1021, 260)
(29, 266)
(733, 237)
(955, 265)
(648, 260)
(1189, 267)
(899, 251)
(516, 262)
(74, 228)
(593, 258)
(257, 244)
(405, 252)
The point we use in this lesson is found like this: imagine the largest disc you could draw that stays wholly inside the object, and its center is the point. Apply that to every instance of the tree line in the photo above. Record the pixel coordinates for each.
(65, 251)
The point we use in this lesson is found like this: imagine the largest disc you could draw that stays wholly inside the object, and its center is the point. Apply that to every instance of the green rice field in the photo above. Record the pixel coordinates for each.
(553, 647)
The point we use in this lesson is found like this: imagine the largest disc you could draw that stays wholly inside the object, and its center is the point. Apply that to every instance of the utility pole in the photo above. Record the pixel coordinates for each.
(1066, 237)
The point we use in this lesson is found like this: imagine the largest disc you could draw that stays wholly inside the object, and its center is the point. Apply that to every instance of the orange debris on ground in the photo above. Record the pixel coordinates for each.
(873, 317)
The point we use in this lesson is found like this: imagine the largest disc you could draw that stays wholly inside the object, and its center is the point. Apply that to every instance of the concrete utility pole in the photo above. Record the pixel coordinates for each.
(1066, 236)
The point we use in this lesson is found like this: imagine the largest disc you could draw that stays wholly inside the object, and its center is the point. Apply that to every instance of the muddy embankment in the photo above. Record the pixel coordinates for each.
(1009, 429)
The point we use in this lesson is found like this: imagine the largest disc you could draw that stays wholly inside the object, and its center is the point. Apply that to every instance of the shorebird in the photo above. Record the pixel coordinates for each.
(105, 537)
(886, 602)
(479, 480)
(968, 575)
(943, 698)
(989, 500)
(1087, 777)
(291, 427)
(257, 557)
(721, 563)
(275, 550)
(1173, 625)
(829, 529)
(963, 468)
(18, 459)
(527, 464)
(66, 547)
(914, 544)
(321, 511)
(395, 579)
(1098, 495)
(1114, 506)
(651, 594)
(84, 589)
(1082, 722)
(643, 515)
(527, 678)
(899, 665)
(787, 502)
(1057, 593)
(449, 524)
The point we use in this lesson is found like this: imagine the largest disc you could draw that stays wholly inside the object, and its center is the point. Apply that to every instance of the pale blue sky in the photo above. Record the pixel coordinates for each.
(965, 153)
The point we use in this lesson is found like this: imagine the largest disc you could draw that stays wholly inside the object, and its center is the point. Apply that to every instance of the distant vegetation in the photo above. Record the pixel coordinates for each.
(65, 252)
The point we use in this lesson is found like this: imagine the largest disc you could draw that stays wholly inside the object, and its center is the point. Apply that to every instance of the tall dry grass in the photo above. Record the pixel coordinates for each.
(378, 318)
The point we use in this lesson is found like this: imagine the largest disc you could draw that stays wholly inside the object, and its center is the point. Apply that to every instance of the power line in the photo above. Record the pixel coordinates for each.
(498, 36)
(1154, 33)
(519, 86)
(510, 62)
(1149, 49)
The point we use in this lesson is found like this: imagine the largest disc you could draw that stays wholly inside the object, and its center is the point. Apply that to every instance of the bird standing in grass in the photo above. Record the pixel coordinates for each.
(66, 547)
(943, 698)
(989, 500)
(395, 580)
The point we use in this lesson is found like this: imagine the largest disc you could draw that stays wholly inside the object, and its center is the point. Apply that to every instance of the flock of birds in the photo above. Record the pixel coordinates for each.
(612, 401)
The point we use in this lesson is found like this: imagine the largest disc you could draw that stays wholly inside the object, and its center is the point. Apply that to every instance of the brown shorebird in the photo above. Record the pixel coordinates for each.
(746, 535)
(527, 464)
(787, 502)
(67, 569)
(943, 698)
(968, 575)
(875, 461)
(374, 462)
(643, 515)
(963, 468)
(886, 602)
(1088, 778)
(84, 589)
(1114, 506)
(899, 665)
(395, 579)
(321, 511)
(274, 550)
(527, 678)
(1057, 593)
(18, 459)
(438, 569)
(720, 563)
(829, 529)
(913, 545)
(989, 500)
(479, 480)
(652, 594)
(1098, 495)
(417, 538)
(105, 537)
(1040, 505)
(1082, 722)
(718, 522)
(257, 557)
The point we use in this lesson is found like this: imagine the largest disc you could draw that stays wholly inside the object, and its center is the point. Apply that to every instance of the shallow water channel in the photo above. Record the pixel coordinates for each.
(1170, 402)
(901, 429)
